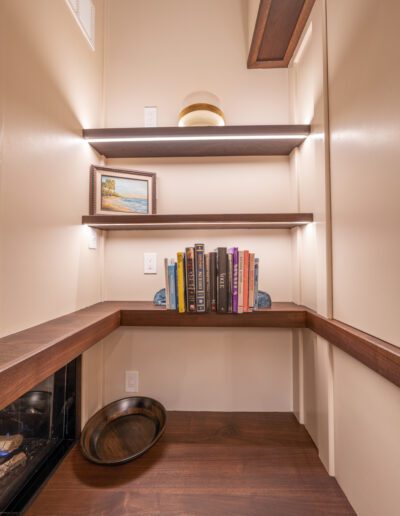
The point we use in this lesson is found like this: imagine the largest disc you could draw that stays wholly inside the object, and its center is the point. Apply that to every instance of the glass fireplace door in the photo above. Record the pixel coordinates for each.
(36, 430)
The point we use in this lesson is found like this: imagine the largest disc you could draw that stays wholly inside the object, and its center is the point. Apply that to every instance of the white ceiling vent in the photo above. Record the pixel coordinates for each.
(84, 13)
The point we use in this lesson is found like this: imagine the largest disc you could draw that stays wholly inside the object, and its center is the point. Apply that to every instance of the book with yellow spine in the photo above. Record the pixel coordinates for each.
(181, 282)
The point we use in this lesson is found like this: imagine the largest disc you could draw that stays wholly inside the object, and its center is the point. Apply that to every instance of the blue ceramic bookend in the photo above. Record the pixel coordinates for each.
(159, 298)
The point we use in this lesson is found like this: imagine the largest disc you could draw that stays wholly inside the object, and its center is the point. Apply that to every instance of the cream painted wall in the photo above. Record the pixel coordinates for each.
(203, 368)
(367, 422)
(158, 52)
(50, 89)
(364, 107)
(176, 60)
(364, 103)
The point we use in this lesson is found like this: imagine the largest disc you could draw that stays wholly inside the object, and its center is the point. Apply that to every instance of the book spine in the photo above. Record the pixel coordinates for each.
(256, 275)
(200, 278)
(245, 281)
(222, 280)
(213, 281)
(235, 279)
(172, 284)
(167, 293)
(190, 280)
(230, 279)
(251, 281)
(240, 282)
(207, 276)
(181, 282)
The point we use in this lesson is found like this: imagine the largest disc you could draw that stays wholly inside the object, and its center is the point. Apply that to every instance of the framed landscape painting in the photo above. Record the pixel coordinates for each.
(122, 192)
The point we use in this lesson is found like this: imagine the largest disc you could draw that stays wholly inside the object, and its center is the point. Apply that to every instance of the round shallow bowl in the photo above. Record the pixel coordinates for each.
(123, 430)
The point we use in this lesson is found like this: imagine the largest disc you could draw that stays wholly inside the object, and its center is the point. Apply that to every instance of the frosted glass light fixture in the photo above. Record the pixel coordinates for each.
(201, 109)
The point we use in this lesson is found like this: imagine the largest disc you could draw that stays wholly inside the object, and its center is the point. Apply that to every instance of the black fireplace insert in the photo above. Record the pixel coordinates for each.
(36, 431)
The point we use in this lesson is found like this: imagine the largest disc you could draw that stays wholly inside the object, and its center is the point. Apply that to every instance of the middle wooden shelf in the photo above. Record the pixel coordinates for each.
(199, 221)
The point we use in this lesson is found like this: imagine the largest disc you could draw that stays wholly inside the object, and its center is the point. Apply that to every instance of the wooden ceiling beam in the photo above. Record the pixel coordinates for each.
(279, 26)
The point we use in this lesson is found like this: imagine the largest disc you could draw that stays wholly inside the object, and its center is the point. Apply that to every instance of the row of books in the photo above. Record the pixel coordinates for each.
(225, 280)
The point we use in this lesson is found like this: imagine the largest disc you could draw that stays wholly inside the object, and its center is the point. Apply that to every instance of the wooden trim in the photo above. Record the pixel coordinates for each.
(283, 315)
(262, 32)
(258, 34)
(152, 141)
(199, 221)
(30, 356)
(378, 355)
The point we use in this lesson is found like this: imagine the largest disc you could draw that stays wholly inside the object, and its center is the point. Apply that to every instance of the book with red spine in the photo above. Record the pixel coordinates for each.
(245, 281)
(251, 281)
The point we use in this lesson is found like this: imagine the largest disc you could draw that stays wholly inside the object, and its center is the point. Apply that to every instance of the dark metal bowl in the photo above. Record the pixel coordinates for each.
(123, 430)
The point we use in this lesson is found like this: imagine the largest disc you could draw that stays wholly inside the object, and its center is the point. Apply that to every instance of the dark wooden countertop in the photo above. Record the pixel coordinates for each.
(30, 356)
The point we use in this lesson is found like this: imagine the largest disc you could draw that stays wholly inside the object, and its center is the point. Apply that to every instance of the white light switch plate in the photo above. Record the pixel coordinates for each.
(150, 263)
(131, 381)
(150, 116)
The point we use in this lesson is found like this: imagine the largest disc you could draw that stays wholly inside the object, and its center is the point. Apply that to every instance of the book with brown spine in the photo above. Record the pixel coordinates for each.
(190, 280)
(207, 276)
(200, 278)
(213, 281)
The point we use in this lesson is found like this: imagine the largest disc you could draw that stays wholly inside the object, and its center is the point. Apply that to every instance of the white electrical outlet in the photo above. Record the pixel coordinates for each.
(131, 381)
(150, 263)
(150, 116)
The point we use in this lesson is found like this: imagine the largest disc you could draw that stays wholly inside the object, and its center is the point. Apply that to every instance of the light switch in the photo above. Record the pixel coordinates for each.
(150, 263)
(150, 116)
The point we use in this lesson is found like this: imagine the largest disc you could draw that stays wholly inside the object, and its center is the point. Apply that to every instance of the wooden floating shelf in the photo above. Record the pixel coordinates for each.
(199, 221)
(30, 356)
(166, 142)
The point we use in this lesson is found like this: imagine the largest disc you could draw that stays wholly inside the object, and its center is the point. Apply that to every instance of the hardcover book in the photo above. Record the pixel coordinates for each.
(256, 274)
(207, 275)
(190, 280)
(167, 293)
(240, 282)
(200, 278)
(181, 281)
(172, 284)
(245, 281)
(213, 281)
(251, 281)
(235, 279)
(230, 279)
(222, 280)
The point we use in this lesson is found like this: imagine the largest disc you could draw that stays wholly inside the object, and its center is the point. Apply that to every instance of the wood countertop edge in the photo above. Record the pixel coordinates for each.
(45, 348)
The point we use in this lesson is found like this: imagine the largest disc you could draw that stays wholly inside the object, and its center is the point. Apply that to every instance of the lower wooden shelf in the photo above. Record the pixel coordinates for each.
(30, 356)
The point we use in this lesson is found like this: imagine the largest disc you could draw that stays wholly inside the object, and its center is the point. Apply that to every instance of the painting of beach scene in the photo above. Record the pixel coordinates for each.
(126, 192)
(124, 195)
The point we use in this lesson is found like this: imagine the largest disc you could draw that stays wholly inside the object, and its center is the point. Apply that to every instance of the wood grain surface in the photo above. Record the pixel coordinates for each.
(30, 356)
(279, 26)
(207, 463)
(199, 221)
(195, 147)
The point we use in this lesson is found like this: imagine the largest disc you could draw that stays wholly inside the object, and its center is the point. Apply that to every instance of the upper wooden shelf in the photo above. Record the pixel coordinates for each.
(199, 221)
(166, 142)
